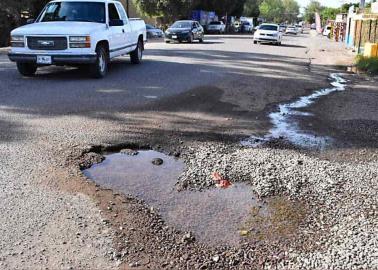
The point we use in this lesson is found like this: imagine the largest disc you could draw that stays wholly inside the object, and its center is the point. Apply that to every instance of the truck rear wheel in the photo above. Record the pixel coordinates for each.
(137, 55)
(100, 68)
(27, 69)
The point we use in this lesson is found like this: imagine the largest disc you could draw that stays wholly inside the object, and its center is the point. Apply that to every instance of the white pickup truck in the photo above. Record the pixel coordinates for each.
(78, 33)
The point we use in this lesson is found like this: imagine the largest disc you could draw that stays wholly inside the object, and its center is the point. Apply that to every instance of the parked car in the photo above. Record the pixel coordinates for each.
(77, 32)
(153, 32)
(299, 28)
(283, 28)
(185, 31)
(247, 27)
(313, 26)
(216, 27)
(291, 30)
(327, 31)
(268, 33)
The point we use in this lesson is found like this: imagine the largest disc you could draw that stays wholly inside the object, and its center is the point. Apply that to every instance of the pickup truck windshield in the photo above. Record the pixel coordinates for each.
(74, 12)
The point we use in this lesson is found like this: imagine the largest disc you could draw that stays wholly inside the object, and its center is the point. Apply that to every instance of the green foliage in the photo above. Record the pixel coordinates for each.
(291, 10)
(251, 8)
(171, 9)
(329, 13)
(174, 9)
(10, 15)
(345, 7)
(311, 9)
(279, 10)
(367, 64)
(272, 10)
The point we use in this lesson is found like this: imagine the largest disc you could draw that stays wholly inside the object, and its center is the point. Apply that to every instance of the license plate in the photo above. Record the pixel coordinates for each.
(174, 37)
(44, 60)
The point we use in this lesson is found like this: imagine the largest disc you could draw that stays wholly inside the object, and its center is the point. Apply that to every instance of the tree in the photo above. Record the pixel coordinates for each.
(345, 7)
(312, 8)
(272, 10)
(251, 8)
(291, 10)
(329, 13)
(221, 7)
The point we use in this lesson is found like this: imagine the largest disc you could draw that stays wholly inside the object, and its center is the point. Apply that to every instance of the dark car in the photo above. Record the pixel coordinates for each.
(185, 31)
(153, 32)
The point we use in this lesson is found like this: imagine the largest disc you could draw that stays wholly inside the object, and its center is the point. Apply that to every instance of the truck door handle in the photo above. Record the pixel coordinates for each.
(123, 30)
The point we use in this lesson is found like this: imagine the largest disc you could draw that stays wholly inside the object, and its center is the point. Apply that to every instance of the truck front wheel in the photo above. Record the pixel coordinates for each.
(100, 68)
(27, 69)
(137, 55)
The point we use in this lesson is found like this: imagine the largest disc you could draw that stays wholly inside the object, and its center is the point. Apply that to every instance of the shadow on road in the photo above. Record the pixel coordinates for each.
(201, 94)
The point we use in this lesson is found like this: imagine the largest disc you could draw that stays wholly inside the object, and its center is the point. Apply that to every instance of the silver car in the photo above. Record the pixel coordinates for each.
(153, 32)
(216, 27)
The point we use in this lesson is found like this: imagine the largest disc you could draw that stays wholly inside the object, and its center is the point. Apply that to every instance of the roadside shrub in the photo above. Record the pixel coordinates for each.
(367, 64)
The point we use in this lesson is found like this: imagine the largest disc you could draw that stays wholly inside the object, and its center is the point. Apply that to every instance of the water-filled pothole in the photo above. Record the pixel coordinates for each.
(215, 216)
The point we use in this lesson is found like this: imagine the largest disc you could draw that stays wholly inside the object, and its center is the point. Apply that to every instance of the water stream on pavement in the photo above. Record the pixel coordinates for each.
(215, 216)
(285, 125)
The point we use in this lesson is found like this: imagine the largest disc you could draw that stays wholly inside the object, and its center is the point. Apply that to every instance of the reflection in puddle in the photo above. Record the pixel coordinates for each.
(215, 216)
(285, 126)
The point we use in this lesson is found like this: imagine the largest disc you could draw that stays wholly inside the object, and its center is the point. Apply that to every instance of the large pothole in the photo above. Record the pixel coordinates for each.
(215, 216)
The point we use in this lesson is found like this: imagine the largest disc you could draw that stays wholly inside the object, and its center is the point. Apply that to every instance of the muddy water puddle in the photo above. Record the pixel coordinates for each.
(285, 120)
(215, 216)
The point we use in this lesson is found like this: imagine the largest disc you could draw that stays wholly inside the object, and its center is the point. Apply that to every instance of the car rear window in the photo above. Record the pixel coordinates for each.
(215, 23)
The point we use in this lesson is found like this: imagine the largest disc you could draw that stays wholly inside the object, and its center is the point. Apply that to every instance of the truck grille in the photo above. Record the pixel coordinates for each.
(47, 43)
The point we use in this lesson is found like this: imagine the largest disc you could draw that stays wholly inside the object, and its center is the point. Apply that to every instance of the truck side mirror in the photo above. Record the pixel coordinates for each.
(116, 23)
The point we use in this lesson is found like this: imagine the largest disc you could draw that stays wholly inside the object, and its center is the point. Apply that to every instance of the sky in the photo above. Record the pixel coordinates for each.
(329, 3)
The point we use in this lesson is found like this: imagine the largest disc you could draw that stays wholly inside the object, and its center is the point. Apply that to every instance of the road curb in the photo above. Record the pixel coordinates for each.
(4, 50)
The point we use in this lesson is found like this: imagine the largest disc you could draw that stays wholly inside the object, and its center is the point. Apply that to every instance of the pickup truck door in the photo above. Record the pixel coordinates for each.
(116, 33)
(128, 34)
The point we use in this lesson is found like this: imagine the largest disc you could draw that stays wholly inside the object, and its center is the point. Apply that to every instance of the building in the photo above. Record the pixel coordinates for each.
(362, 27)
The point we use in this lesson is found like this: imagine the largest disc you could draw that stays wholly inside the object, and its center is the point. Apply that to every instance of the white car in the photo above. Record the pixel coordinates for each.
(268, 33)
(292, 30)
(327, 31)
(78, 32)
(216, 27)
(299, 28)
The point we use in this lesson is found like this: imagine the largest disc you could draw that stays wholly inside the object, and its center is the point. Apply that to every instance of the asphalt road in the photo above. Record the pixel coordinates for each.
(168, 69)
(220, 90)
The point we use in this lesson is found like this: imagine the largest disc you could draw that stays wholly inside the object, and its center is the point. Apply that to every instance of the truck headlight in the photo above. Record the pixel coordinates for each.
(80, 42)
(18, 41)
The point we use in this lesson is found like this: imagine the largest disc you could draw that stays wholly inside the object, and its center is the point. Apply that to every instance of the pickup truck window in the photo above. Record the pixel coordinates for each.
(74, 11)
(122, 12)
(113, 13)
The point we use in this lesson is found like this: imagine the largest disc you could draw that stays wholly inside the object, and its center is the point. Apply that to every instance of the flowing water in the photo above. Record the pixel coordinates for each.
(284, 120)
(215, 216)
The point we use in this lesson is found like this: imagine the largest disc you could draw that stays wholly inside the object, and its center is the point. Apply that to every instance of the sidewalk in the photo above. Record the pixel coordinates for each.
(326, 52)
